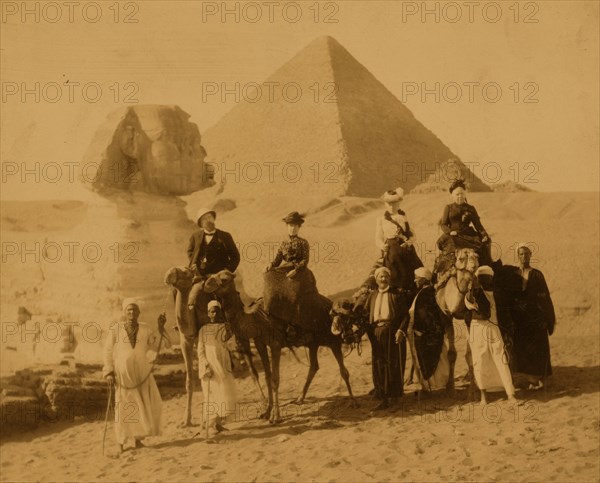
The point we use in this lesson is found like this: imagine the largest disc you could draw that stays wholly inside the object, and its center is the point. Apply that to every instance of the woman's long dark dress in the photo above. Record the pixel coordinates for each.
(459, 218)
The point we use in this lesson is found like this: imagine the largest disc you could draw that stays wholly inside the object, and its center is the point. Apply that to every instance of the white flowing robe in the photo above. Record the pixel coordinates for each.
(490, 366)
(138, 405)
(213, 354)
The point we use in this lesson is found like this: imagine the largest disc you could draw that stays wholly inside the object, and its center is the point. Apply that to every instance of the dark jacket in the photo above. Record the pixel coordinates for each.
(459, 218)
(294, 250)
(398, 301)
(221, 253)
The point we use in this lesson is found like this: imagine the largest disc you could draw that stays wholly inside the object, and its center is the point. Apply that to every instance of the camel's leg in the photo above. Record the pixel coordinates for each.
(261, 348)
(339, 357)
(449, 329)
(187, 348)
(312, 370)
(275, 362)
(247, 353)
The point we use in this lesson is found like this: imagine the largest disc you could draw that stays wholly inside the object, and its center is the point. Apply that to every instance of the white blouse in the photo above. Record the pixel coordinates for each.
(386, 230)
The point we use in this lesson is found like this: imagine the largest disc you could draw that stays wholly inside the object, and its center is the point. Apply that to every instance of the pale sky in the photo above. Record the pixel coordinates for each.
(171, 51)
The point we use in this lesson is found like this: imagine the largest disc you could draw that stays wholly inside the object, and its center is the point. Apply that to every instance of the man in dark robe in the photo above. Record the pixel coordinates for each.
(388, 319)
(533, 312)
(426, 335)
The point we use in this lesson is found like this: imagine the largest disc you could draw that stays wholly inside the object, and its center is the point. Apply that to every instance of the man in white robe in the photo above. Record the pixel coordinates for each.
(490, 359)
(138, 405)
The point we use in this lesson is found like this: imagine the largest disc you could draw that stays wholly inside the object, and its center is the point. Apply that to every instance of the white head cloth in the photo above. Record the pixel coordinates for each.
(382, 270)
(484, 270)
(131, 301)
(423, 272)
(213, 303)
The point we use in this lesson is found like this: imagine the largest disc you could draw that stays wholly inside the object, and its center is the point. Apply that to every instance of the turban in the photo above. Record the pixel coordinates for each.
(213, 303)
(423, 272)
(131, 301)
(381, 270)
(484, 270)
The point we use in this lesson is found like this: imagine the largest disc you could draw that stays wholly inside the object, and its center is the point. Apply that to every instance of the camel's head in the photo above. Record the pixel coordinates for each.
(467, 259)
(347, 323)
(179, 277)
(220, 282)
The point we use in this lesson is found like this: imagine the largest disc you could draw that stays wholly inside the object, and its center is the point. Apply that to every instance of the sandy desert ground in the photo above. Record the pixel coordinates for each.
(553, 436)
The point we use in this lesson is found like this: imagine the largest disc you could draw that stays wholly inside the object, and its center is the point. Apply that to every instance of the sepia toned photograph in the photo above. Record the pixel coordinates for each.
(300, 241)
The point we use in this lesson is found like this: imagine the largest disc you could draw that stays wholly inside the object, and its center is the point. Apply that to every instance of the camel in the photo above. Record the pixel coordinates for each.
(181, 279)
(451, 288)
(455, 283)
(269, 330)
(254, 323)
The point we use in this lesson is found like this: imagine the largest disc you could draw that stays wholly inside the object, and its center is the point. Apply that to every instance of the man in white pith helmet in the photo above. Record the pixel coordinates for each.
(210, 250)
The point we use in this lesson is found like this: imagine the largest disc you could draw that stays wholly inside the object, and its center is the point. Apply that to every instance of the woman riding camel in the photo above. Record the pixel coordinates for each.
(462, 227)
(395, 238)
(292, 259)
(293, 253)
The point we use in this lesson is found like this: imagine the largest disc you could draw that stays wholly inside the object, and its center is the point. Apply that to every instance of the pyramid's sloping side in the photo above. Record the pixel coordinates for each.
(257, 146)
(387, 146)
(358, 140)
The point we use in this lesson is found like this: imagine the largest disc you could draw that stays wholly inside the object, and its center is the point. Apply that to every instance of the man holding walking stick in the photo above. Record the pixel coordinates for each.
(138, 404)
(388, 322)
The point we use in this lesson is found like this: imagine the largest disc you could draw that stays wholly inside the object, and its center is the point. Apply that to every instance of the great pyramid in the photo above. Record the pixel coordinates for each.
(345, 134)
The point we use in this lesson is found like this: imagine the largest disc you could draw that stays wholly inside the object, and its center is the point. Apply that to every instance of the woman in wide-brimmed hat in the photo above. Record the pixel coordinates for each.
(394, 237)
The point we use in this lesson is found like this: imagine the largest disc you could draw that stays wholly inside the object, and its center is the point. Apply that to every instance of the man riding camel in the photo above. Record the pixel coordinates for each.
(210, 250)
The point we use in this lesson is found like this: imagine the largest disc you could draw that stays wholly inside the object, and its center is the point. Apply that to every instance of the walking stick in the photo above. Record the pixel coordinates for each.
(110, 393)
(400, 365)
(207, 404)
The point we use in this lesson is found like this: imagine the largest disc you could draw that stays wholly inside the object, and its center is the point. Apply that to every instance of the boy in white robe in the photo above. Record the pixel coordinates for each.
(215, 370)
(138, 405)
